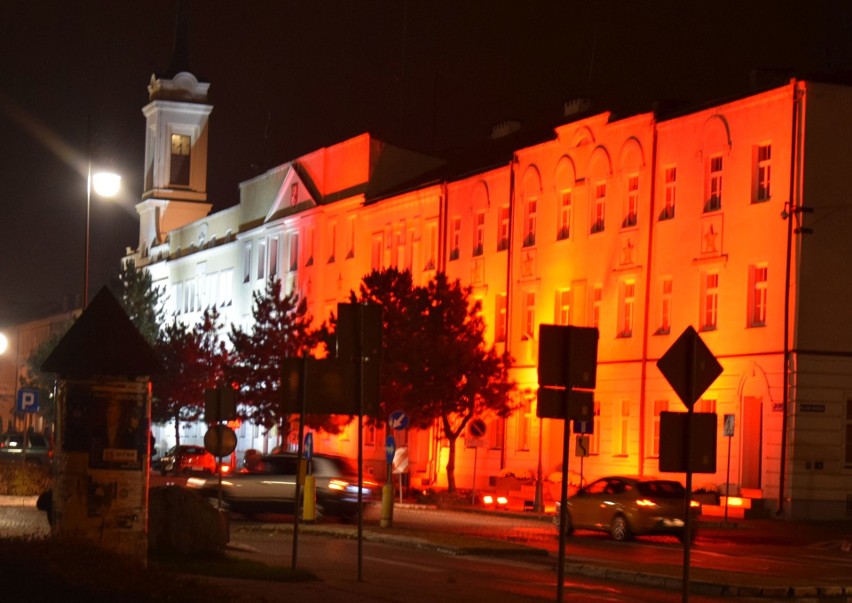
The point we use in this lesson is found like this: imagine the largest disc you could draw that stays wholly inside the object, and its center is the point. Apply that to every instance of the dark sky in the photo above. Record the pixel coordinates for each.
(288, 77)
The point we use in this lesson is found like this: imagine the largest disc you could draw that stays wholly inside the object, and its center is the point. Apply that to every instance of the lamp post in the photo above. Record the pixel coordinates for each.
(105, 184)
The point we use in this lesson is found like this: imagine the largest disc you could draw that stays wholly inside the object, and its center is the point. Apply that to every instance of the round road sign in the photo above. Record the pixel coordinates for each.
(220, 440)
(477, 428)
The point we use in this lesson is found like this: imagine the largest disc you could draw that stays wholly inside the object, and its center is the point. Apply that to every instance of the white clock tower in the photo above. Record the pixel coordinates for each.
(175, 188)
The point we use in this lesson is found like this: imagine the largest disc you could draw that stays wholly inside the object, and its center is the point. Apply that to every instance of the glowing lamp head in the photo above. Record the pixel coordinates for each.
(106, 184)
(4, 343)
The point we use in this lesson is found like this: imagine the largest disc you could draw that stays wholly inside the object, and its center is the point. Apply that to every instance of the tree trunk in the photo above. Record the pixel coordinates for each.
(451, 464)
(177, 429)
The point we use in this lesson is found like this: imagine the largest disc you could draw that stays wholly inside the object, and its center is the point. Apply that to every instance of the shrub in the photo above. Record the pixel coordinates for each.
(23, 479)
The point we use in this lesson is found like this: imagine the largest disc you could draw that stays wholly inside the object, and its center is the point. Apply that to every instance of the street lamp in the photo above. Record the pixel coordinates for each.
(105, 184)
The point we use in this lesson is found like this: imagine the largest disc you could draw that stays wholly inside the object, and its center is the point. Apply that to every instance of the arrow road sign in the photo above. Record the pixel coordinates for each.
(398, 420)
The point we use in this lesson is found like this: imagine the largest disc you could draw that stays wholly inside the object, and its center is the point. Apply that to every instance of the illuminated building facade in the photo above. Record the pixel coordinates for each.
(732, 219)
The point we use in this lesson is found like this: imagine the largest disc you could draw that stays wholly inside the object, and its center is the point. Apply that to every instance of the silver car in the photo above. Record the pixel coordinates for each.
(270, 486)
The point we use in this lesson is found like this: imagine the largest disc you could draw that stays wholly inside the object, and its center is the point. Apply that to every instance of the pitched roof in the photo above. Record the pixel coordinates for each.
(103, 341)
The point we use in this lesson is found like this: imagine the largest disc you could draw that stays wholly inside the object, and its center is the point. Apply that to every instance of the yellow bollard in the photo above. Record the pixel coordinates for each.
(387, 506)
(309, 510)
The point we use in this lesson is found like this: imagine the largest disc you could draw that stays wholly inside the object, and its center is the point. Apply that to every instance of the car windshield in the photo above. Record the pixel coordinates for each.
(661, 489)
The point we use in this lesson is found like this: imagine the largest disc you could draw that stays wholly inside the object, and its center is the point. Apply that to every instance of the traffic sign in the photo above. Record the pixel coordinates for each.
(477, 428)
(689, 366)
(729, 425)
(220, 440)
(583, 427)
(27, 400)
(398, 420)
(390, 449)
(309, 445)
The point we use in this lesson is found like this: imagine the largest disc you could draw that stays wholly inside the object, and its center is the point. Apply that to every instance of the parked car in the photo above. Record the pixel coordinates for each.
(34, 447)
(270, 486)
(628, 506)
(181, 460)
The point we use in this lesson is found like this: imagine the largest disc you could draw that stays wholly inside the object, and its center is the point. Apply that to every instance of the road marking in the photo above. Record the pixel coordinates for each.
(417, 566)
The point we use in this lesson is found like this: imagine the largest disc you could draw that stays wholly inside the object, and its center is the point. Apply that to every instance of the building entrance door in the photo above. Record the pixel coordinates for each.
(752, 442)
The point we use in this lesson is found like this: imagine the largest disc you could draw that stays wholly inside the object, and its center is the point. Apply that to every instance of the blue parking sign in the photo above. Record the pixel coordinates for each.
(27, 400)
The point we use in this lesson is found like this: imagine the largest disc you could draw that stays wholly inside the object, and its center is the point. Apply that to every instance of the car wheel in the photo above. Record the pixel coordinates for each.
(620, 529)
(569, 526)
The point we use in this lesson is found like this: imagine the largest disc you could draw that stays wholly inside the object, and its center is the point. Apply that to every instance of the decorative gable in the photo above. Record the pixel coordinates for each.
(292, 193)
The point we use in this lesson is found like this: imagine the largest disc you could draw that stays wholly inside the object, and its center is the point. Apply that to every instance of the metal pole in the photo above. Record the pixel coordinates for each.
(84, 301)
(727, 481)
(302, 395)
(563, 509)
(359, 340)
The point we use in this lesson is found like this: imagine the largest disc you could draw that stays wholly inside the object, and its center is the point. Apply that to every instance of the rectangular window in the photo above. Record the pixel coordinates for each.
(668, 211)
(659, 407)
(529, 316)
(178, 297)
(455, 238)
(763, 173)
(179, 166)
(597, 300)
(500, 318)
(529, 222)
(503, 230)
(628, 301)
(631, 202)
(665, 306)
(564, 220)
(247, 262)
(273, 257)
(714, 184)
(226, 288)
(350, 253)
(707, 405)
(310, 251)
(710, 301)
(479, 234)
(377, 250)
(332, 242)
(432, 242)
(496, 433)
(261, 259)
(599, 209)
(757, 296)
(524, 423)
(621, 430)
(293, 259)
(595, 438)
(563, 307)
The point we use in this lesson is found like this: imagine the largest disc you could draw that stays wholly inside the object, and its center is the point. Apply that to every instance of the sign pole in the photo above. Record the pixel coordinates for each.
(563, 512)
(303, 382)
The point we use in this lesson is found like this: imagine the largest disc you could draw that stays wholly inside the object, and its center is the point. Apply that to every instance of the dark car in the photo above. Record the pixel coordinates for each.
(270, 486)
(628, 506)
(182, 460)
(33, 447)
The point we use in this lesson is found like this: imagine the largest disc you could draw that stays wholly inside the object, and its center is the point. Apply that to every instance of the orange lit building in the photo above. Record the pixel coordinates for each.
(732, 219)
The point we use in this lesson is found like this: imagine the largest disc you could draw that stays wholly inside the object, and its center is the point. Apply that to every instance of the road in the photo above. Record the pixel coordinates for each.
(773, 554)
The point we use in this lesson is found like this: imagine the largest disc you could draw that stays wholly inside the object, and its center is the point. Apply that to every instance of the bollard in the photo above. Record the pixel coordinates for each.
(309, 509)
(387, 506)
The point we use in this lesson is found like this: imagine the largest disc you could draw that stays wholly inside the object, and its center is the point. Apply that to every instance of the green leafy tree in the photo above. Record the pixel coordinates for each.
(144, 303)
(281, 329)
(195, 359)
(436, 365)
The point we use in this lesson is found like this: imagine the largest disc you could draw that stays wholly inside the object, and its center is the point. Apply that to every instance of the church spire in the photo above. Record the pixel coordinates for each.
(180, 53)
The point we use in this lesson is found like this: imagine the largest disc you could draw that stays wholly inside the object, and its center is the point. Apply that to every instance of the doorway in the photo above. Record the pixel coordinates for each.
(752, 442)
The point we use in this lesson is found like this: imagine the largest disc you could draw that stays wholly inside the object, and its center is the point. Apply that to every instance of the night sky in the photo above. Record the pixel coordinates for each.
(288, 77)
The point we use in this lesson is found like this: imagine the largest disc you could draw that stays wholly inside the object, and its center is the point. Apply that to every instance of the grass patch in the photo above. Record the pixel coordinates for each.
(23, 479)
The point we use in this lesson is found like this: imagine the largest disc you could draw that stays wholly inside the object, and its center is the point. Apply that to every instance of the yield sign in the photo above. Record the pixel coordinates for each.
(689, 366)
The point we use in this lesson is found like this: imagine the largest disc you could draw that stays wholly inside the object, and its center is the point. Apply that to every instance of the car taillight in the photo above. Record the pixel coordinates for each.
(644, 502)
(694, 504)
(225, 468)
(337, 484)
